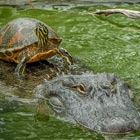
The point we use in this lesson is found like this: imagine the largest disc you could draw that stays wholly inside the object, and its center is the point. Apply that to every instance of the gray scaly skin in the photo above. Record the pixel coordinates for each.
(99, 102)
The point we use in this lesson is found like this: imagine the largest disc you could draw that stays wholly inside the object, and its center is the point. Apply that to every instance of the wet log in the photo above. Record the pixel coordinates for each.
(128, 13)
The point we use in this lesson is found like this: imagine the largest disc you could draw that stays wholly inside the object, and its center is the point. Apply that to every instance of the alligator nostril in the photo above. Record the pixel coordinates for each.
(117, 125)
(56, 104)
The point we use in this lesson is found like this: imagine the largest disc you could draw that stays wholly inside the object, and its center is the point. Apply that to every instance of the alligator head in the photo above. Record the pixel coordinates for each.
(98, 102)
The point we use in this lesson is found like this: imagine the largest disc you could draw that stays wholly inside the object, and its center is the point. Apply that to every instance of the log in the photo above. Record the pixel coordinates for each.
(128, 13)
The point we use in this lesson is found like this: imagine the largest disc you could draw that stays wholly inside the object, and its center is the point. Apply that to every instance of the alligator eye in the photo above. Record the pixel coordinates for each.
(80, 88)
(56, 104)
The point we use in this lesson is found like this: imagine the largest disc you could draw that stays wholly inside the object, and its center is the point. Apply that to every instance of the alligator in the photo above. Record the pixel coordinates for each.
(99, 102)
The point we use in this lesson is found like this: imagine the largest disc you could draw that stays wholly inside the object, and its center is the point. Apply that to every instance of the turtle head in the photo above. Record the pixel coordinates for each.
(66, 56)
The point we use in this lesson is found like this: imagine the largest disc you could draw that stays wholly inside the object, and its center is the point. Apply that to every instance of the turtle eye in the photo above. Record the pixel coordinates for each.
(80, 88)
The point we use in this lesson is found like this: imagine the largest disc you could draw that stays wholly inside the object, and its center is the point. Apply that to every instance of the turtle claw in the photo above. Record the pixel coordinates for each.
(19, 76)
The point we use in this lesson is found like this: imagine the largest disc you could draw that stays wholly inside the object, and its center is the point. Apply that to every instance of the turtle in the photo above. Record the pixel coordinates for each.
(27, 40)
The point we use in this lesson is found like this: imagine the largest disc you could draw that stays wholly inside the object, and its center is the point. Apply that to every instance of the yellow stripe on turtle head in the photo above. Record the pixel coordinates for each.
(42, 34)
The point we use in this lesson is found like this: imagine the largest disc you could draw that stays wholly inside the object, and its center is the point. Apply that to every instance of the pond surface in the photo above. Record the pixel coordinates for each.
(103, 44)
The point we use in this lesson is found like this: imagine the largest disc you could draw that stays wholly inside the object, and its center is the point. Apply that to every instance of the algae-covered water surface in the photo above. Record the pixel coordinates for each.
(102, 43)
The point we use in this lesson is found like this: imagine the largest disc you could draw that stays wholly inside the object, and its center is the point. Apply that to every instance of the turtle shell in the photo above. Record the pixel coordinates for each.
(21, 33)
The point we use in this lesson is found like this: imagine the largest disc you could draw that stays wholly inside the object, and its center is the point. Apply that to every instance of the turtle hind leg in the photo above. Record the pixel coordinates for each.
(19, 71)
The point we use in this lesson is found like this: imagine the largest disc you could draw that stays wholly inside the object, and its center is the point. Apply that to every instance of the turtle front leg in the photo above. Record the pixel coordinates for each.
(19, 71)
(66, 56)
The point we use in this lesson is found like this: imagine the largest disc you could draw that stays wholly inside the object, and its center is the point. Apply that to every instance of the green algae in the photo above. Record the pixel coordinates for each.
(102, 43)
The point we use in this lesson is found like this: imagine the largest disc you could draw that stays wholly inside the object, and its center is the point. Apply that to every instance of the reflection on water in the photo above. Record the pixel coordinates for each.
(18, 122)
(103, 44)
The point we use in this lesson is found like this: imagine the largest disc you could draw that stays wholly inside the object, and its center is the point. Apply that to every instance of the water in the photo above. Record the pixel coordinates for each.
(103, 44)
